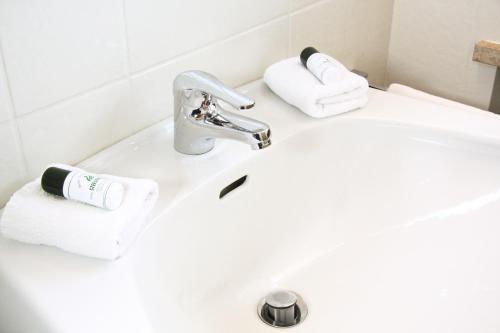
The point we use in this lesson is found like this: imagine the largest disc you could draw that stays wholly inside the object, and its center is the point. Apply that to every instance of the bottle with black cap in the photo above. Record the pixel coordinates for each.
(81, 186)
(321, 65)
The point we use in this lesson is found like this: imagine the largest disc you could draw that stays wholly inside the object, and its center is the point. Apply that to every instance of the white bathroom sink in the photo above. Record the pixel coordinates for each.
(383, 220)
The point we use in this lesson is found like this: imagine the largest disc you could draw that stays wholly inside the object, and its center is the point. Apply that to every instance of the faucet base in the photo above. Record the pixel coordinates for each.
(197, 147)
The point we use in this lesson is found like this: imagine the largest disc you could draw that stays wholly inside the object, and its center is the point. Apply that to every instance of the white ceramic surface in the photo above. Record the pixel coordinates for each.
(383, 219)
(78, 127)
(159, 30)
(70, 60)
(56, 49)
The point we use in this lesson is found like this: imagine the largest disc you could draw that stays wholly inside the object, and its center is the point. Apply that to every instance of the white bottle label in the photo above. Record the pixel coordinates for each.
(326, 69)
(87, 187)
(318, 64)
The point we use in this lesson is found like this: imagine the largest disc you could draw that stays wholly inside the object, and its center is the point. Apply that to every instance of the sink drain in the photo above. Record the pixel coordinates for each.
(282, 309)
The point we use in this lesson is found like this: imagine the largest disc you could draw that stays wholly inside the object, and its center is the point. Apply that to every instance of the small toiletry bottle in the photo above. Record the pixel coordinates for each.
(85, 187)
(321, 66)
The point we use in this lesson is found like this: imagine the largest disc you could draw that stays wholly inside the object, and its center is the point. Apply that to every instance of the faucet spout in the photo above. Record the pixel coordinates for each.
(200, 118)
(229, 125)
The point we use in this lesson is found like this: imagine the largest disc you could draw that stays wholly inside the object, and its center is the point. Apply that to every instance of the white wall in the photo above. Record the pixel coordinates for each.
(77, 76)
(432, 44)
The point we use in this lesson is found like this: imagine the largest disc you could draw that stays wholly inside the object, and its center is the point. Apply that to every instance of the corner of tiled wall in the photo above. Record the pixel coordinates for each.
(355, 32)
(78, 78)
(434, 54)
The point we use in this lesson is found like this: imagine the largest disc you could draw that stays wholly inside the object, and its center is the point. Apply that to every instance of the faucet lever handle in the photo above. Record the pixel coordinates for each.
(209, 84)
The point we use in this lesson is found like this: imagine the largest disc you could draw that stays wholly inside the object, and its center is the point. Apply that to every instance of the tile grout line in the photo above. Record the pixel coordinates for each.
(14, 119)
(387, 60)
(469, 63)
(307, 7)
(126, 33)
(97, 87)
(206, 46)
(83, 93)
(131, 74)
(289, 36)
(128, 57)
(292, 12)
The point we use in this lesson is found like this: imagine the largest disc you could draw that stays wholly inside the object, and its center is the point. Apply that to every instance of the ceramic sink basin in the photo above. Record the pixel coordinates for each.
(384, 219)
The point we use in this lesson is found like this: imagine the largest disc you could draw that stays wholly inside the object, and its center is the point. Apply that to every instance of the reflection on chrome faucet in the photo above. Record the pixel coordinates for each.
(200, 118)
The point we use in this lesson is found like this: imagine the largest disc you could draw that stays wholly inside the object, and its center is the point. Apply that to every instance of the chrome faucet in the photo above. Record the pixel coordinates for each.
(199, 117)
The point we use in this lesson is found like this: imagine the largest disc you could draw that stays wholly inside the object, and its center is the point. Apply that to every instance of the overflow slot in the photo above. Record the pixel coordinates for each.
(231, 187)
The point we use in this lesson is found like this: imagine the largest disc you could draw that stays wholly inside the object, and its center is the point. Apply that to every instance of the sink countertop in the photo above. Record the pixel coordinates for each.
(150, 152)
(44, 276)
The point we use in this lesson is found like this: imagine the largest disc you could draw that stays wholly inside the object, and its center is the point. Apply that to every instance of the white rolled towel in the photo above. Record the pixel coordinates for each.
(290, 80)
(34, 216)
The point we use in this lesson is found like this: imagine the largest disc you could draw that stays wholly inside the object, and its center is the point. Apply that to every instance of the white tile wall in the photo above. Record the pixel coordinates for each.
(160, 30)
(329, 17)
(297, 4)
(149, 87)
(5, 109)
(432, 50)
(355, 32)
(54, 49)
(12, 172)
(78, 127)
(368, 37)
(84, 74)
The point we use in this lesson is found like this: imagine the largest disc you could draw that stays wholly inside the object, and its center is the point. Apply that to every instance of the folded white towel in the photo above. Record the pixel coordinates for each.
(36, 217)
(290, 80)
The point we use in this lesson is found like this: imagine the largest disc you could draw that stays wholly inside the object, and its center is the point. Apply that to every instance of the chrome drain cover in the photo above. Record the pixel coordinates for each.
(282, 309)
